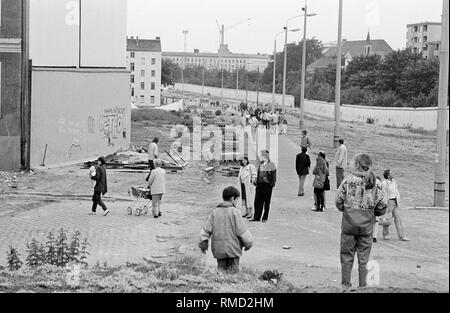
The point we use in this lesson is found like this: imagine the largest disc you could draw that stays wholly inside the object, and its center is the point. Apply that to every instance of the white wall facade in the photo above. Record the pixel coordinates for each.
(264, 98)
(150, 63)
(425, 118)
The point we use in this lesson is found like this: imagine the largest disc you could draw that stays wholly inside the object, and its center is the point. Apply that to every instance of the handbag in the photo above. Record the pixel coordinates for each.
(327, 185)
(386, 219)
(318, 183)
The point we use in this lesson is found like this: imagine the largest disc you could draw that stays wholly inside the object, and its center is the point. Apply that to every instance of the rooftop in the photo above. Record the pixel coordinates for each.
(136, 44)
(357, 47)
(424, 23)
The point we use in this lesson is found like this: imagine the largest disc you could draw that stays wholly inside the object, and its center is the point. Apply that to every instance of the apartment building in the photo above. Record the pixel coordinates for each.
(144, 60)
(64, 81)
(223, 58)
(424, 38)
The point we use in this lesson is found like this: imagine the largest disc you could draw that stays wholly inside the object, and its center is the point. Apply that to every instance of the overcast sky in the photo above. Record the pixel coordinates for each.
(386, 19)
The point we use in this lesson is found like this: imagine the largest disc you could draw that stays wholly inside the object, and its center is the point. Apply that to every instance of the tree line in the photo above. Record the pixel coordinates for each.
(401, 79)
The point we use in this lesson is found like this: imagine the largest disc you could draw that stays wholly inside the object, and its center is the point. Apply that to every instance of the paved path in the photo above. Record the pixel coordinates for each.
(314, 238)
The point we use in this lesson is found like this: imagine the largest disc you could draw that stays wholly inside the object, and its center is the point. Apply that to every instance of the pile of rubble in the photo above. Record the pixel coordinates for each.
(136, 160)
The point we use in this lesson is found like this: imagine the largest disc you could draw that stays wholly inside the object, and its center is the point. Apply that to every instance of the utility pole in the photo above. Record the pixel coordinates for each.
(337, 100)
(274, 82)
(440, 167)
(257, 91)
(303, 80)
(185, 33)
(203, 79)
(237, 82)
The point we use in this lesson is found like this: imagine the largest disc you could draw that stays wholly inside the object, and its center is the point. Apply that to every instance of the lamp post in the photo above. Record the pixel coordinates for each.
(337, 100)
(285, 57)
(274, 83)
(440, 170)
(185, 33)
(303, 80)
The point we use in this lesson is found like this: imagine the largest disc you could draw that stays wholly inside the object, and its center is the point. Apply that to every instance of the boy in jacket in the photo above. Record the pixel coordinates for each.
(101, 187)
(228, 233)
(360, 198)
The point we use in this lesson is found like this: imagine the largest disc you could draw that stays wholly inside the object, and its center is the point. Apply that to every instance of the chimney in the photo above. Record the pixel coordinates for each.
(132, 37)
(196, 51)
(137, 40)
(158, 38)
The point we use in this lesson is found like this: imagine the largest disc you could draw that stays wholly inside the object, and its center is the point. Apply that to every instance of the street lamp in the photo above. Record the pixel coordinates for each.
(285, 56)
(337, 100)
(275, 68)
(303, 80)
(185, 33)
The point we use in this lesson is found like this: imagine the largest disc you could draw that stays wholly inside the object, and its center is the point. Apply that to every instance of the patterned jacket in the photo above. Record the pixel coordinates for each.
(360, 206)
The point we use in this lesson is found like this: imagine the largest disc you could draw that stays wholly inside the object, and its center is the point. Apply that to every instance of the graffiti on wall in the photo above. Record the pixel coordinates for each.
(112, 125)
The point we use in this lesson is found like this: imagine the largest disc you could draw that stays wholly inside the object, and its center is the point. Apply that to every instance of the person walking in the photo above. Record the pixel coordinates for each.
(302, 165)
(247, 178)
(361, 199)
(305, 141)
(265, 182)
(228, 232)
(153, 153)
(390, 189)
(341, 162)
(101, 187)
(157, 185)
(320, 173)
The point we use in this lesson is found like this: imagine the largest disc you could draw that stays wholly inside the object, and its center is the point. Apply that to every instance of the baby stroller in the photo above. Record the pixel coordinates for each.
(142, 198)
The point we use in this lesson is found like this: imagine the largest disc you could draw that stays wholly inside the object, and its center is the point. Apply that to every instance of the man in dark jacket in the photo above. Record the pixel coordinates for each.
(101, 187)
(265, 182)
(302, 165)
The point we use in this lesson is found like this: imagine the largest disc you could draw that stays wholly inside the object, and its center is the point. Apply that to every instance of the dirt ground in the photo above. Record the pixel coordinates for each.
(60, 197)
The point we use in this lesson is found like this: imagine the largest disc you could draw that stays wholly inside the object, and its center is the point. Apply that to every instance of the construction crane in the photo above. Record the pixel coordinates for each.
(222, 29)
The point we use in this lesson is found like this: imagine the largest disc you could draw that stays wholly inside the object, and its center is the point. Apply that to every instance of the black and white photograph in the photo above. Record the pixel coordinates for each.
(224, 153)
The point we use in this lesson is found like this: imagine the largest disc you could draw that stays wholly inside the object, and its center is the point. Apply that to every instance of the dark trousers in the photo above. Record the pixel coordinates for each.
(350, 244)
(339, 176)
(228, 265)
(263, 196)
(97, 200)
(320, 198)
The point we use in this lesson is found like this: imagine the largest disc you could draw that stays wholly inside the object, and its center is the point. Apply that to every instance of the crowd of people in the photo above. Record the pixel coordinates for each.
(264, 116)
(365, 199)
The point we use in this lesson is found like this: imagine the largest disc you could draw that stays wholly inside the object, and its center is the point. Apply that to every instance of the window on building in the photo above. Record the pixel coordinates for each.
(142, 99)
(142, 61)
(132, 54)
(132, 79)
(153, 73)
(142, 73)
(132, 67)
(132, 92)
(152, 99)
(425, 28)
(142, 86)
(153, 61)
(425, 38)
(153, 86)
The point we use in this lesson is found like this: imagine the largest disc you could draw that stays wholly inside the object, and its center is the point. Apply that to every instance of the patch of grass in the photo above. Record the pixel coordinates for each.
(155, 115)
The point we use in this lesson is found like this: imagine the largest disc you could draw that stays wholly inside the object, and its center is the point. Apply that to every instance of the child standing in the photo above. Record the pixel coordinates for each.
(228, 233)
(93, 173)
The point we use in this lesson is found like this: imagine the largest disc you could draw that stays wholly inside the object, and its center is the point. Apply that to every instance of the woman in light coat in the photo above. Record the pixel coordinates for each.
(157, 185)
(247, 178)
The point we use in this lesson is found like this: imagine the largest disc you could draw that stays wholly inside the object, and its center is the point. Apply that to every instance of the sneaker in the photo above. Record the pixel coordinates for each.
(405, 239)
(106, 213)
(375, 240)
(253, 220)
(155, 216)
(386, 238)
(92, 213)
(159, 215)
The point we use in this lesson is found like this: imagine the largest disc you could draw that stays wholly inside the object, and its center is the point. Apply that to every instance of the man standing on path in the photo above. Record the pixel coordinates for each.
(305, 142)
(341, 162)
(303, 163)
(101, 187)
(153, 153)
(265, 182)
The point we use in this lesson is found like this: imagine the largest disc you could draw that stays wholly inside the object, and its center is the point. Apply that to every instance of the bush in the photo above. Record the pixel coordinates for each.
(14, 262)
(155, 115)
(354, 95)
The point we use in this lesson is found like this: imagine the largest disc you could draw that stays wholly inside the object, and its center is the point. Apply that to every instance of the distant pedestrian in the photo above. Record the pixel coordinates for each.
(228, 232)
(392, 199)
(302, 164)
(284, 126)
(157, 185)
(153, 153)
(265, 182)
(247, 178)
(327, 186)
(320, 173)
(341, 160)
(360, 198)
(101, 187)
(305, 141)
